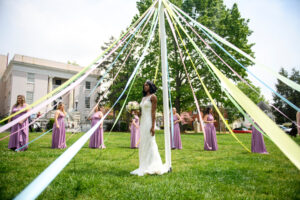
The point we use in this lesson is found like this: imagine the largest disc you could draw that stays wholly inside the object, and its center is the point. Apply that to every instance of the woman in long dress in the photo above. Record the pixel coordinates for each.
(135, 131)
(149, 159)
(96, 140)
(19, 132)
(176, 141)
(59, 130)
(210, 142)
(257, 142)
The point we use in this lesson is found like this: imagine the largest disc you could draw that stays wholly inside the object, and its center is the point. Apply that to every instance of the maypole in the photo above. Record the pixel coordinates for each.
(164, 65)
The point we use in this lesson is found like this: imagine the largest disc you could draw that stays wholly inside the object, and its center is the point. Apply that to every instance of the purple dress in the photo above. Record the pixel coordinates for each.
(59, 134)
(176, 143)
(210, 144)
(257, 142)
(135, 133)
(20, 138)
(96, 140)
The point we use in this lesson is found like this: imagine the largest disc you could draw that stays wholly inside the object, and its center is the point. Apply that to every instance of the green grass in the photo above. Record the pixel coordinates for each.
(229, 173)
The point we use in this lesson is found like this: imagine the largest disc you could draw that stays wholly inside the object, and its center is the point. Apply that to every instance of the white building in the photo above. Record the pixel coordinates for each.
(35, 77)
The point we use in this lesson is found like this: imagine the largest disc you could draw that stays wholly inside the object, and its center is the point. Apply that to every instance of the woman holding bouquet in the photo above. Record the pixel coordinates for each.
(149, 158)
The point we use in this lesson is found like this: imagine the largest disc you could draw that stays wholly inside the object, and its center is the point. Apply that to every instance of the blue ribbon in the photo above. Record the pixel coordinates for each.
(121, 52)
(48, 175)
(224, 50)
(33, 140)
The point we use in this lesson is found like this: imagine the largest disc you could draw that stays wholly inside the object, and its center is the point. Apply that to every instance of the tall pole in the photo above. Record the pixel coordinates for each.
(164, 65)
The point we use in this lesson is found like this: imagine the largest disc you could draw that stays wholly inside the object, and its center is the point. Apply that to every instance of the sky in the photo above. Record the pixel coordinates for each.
(74, 30)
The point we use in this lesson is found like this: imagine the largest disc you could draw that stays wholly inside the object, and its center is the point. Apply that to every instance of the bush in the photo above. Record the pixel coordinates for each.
(121, 126)
(50, 124)
(187, 127)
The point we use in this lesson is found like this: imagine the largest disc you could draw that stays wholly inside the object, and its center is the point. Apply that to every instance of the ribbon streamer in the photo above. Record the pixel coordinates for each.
(266, 85)
(284, 142)
(47, 176)
(76, 76)
(285, 80)
(33, 140)
(202, 83)
(119, 54)
(187, 74)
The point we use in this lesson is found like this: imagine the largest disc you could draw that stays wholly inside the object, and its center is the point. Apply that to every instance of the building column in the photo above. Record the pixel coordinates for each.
(71, 101)
(50, 81)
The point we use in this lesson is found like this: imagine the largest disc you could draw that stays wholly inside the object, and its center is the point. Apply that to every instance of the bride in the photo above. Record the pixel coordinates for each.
(149, 158)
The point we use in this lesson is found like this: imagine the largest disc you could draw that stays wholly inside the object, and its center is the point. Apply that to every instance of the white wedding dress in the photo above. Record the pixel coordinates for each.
(149, 158)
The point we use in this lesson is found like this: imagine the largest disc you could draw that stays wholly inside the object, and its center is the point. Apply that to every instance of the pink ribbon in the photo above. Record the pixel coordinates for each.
(187, 74)
(228, 65)
(70, 87)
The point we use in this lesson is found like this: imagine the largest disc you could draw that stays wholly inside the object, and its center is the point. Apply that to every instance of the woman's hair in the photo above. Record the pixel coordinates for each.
(99, 107)
(207, 110)
(59, 105)
(23, 100)
(152, 87)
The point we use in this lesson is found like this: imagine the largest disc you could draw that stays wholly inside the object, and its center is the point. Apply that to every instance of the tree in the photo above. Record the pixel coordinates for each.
(256, 97)
(289, 93)
(213, 14)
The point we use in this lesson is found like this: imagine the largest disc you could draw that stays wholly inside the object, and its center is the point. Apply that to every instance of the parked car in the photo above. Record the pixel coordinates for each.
(241, 130)
(285, 129)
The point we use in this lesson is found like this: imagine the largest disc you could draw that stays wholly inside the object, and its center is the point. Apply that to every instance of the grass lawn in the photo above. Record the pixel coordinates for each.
(229, 173)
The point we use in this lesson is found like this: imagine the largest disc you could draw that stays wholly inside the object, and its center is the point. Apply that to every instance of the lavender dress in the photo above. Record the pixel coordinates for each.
(210, 144)
(96, 140)
(257, 142)
(59, 134)
(176, 143)
(20, 138)
(135, 133)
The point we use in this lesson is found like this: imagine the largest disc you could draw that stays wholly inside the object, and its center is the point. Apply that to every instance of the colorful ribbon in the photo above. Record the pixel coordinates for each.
(284, 142)
(202, 83)
(285, 80)
(120, 53)
(79, 73)
(47, 176)
(33, 140)
(266, 85)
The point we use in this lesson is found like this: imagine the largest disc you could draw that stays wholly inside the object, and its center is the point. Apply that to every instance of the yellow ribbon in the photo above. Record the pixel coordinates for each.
(202, 83)
(284, 142)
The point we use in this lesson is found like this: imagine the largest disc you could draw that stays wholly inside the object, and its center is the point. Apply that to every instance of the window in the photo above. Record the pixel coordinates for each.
(57, 82)
(29, 97)
(87, 85)
(87, 102)
(30, 77)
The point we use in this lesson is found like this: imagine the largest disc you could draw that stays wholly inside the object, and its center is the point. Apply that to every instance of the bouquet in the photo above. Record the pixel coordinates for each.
(132, 105)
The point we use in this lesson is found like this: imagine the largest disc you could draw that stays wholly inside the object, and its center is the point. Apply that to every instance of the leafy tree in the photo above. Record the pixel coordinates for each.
(227, 22)
(232, 111)
(289, 93)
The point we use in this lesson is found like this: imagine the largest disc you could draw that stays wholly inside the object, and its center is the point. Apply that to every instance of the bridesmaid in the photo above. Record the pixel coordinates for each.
(257, 142)
(135, 131)
(59, 131)
(210, 142)
(177, 138)
(19, 131)
(96, 140)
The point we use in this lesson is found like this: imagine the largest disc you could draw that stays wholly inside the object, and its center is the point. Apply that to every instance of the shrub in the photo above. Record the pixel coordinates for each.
(50, 124)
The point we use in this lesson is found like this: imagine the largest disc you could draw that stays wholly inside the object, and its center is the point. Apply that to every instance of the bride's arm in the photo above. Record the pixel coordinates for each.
(153, 111)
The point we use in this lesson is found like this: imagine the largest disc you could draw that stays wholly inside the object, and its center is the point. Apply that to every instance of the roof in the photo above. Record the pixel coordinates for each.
(49, 64)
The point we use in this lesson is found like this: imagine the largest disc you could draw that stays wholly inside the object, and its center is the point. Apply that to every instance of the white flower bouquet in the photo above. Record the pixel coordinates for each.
(132, 105)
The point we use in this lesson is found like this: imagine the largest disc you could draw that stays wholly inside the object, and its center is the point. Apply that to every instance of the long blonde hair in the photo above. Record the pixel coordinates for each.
(60, 104)
(23, 100)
